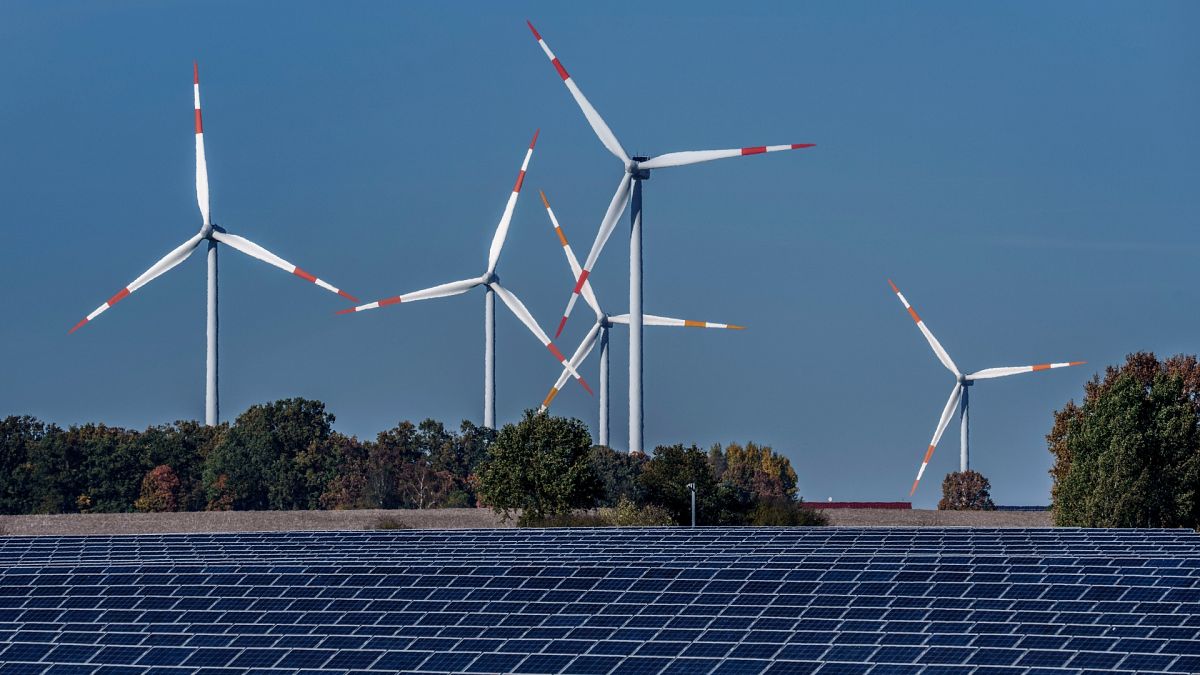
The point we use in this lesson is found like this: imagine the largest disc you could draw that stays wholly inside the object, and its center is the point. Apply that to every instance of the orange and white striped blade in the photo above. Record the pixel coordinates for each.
(255, 251)
(697, 156)
(176, 256)
(441, 291)
(502, 228)
(615, 208)
(581, 353)
(521, 312)
(1015, 370)
(201, 164)
(607, 137)
(651, 320)
(947, 413)
(588, 294)
(937, 346)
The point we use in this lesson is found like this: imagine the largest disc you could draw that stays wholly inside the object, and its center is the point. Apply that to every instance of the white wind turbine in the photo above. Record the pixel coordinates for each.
(491, 283)
(959, 395)
(213, 234)
(599, 331)
(636, 170)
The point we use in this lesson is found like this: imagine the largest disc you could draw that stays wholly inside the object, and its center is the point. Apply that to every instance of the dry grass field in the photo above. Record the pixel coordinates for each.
(251, 521)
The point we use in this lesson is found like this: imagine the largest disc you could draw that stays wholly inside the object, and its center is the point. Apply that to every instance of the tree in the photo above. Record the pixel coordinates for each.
(1129, 456)
(112, 467)
(540, 467)
(664, 481)
(22, 440)
(966, 491)
(618, 473)
(275, 456)
(160, 491)
(756, 469)
(391, 450)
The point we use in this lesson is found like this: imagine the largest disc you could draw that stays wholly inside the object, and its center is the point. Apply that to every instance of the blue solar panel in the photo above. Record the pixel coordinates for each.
(824, 600)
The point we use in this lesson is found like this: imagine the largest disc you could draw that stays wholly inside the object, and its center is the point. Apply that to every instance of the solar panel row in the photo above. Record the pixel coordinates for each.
(599, 601)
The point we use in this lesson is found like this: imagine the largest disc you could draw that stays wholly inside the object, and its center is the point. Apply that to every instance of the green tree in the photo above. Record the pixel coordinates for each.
(1128, 456)
(664, 481)
(184, 446)
(275, 456)
(21, 445)
(386, 458)
(618, 473)
(113, 464)
(540, 467)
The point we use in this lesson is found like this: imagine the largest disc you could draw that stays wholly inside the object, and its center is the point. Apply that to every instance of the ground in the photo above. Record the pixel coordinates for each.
(249, 521)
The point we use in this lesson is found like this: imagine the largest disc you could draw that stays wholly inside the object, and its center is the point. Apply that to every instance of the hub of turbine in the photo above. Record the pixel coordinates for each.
(636, 171)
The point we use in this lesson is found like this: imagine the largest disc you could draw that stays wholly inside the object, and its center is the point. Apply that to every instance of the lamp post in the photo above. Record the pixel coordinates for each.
(692, 488)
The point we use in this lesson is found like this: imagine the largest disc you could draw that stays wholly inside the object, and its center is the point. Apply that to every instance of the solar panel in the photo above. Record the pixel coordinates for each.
(655, 600)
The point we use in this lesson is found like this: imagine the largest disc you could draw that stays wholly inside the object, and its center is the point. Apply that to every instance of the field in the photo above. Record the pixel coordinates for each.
(264, 521)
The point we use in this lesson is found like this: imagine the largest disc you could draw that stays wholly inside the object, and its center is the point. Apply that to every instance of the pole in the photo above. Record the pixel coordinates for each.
(635, 316)
(964, 457)
(604, 383)
(212, 408)
(692, 488)
(489, 358)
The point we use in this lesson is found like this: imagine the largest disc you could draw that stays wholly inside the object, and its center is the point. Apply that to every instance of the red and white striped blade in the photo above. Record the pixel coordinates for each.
(937, 346)
(697, 156)
(947, 413)
(615, 208)
(651, 320)
(607, 137)
(255, 251)
(588, 294)
(519, 310)
(442, 291)
(201, 164)
(1014, 370)
(176, 256)
(502, 228)
(581, 353)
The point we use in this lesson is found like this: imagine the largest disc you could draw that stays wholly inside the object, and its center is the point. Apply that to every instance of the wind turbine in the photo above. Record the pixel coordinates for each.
(599, 331)
(491, 283)
(213, 234)
(636, 170)
(959, 395)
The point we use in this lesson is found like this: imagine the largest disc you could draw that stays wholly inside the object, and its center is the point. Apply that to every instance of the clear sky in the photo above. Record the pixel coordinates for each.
(1026, 172)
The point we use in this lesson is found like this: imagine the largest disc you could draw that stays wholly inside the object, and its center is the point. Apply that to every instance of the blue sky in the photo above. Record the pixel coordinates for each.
(1025, 172)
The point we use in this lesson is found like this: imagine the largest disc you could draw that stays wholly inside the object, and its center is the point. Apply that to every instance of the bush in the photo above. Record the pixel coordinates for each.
(391, 523)
(160, 491)
(966, 491)
(628, 513)
(784, 512)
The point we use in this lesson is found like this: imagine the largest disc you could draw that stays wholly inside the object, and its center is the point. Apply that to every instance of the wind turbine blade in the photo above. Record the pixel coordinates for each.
(442, 291)
(615, 208)
(947, 413)
(697, 156)
(937, 346)
(607, 137)
(176, 256)
(201, 164)
(588, 294)
(651, 320)
(502, 228)
(518, 308)
(255, 251)
(988, 373)
(581, 353)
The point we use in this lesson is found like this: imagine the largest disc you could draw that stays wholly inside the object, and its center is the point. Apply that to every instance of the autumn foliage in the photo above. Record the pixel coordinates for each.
(966, 491)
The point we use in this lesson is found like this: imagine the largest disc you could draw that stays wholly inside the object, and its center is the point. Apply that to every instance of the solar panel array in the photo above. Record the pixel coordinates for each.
(832, 601)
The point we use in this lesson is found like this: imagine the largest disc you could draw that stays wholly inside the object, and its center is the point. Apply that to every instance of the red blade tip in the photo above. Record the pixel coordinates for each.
(560, 327)
(347, 296)
(894, 289)
(799, 146)
(347, 311)
(195, 72)
(534, 141)
(585, 386)
(536, 35)
(77, 326)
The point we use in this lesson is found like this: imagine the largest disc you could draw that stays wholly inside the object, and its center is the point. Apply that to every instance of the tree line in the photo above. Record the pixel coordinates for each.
(286, 455)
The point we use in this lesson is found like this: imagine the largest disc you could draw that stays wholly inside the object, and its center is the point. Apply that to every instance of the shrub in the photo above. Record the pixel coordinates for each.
(391, 523)
(628, 513)
(784, 512)
(966, 491)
